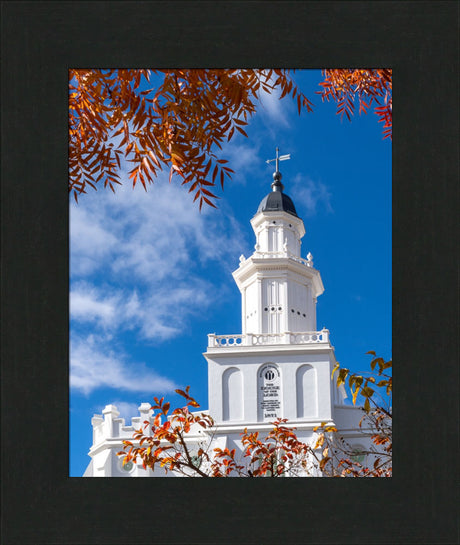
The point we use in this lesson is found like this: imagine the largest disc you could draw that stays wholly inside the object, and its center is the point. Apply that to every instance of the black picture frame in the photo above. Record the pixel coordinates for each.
(40, 42)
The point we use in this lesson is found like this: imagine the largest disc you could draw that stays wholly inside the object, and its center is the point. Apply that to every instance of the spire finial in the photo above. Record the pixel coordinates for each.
(277, 185)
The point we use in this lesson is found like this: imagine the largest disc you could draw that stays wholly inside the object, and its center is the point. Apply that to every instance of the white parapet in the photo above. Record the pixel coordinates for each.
(262, 339)
(282, 254)
(110, 426)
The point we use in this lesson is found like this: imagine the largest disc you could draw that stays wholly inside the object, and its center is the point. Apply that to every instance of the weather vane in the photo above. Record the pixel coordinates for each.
(278, 159)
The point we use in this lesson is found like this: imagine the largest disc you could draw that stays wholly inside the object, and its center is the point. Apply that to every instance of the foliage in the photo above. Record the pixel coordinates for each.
(116, 115)
(369, 86)
(280, 453)
(177, 126)
(165, 444)
(339, 459)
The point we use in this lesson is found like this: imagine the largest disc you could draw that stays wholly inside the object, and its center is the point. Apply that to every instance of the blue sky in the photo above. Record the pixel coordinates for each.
(151, 275)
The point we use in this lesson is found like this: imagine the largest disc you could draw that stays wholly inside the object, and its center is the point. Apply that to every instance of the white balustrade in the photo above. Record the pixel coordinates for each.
(289, 255)
(307, 262)
(218, 341)
(263, 339)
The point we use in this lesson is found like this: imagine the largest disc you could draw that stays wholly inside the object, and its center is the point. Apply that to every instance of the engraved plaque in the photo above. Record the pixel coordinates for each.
(269, 393)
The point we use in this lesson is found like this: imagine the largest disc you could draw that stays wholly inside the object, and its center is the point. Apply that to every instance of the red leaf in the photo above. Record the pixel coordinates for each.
(214, 174)
(241, 131)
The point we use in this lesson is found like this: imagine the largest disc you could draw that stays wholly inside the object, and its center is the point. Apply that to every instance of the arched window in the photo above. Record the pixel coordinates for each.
(232, 394)
(307, 392)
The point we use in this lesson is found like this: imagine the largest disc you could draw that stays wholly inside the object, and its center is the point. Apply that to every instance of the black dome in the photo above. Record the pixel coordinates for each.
(277, 201)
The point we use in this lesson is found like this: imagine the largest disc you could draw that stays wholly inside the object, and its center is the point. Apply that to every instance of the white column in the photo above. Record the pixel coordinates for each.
(96, 422)
(314, 314)
(110, 413)
(259, 306)
(250, 393)
(243, 312)
(310, 309)
(289, 392)
(285, 305)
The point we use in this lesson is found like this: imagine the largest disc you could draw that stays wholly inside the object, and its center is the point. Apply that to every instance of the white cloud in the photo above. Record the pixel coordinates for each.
(91, 242)
(145, 262)
(87, 304)
(243, 159)
(164, 314)
(158, 315)
(127, 410)
(273, 109)
(308, 195)
(145, 233)
(95, 364)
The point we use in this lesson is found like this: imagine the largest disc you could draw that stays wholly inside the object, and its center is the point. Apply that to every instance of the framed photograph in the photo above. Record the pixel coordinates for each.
(119, 313)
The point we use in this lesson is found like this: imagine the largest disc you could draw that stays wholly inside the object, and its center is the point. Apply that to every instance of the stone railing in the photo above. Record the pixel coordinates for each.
(263, 339)
(290, 255)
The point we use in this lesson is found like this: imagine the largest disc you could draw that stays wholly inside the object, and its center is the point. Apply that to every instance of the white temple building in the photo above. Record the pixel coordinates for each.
(279, 366)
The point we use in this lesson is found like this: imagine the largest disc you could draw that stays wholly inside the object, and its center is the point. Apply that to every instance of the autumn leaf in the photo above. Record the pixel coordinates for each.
(323, 462)
(181, 124)
(319, 442)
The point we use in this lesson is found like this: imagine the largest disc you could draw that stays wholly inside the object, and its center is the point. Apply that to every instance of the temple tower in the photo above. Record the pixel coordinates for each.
(280, 365)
